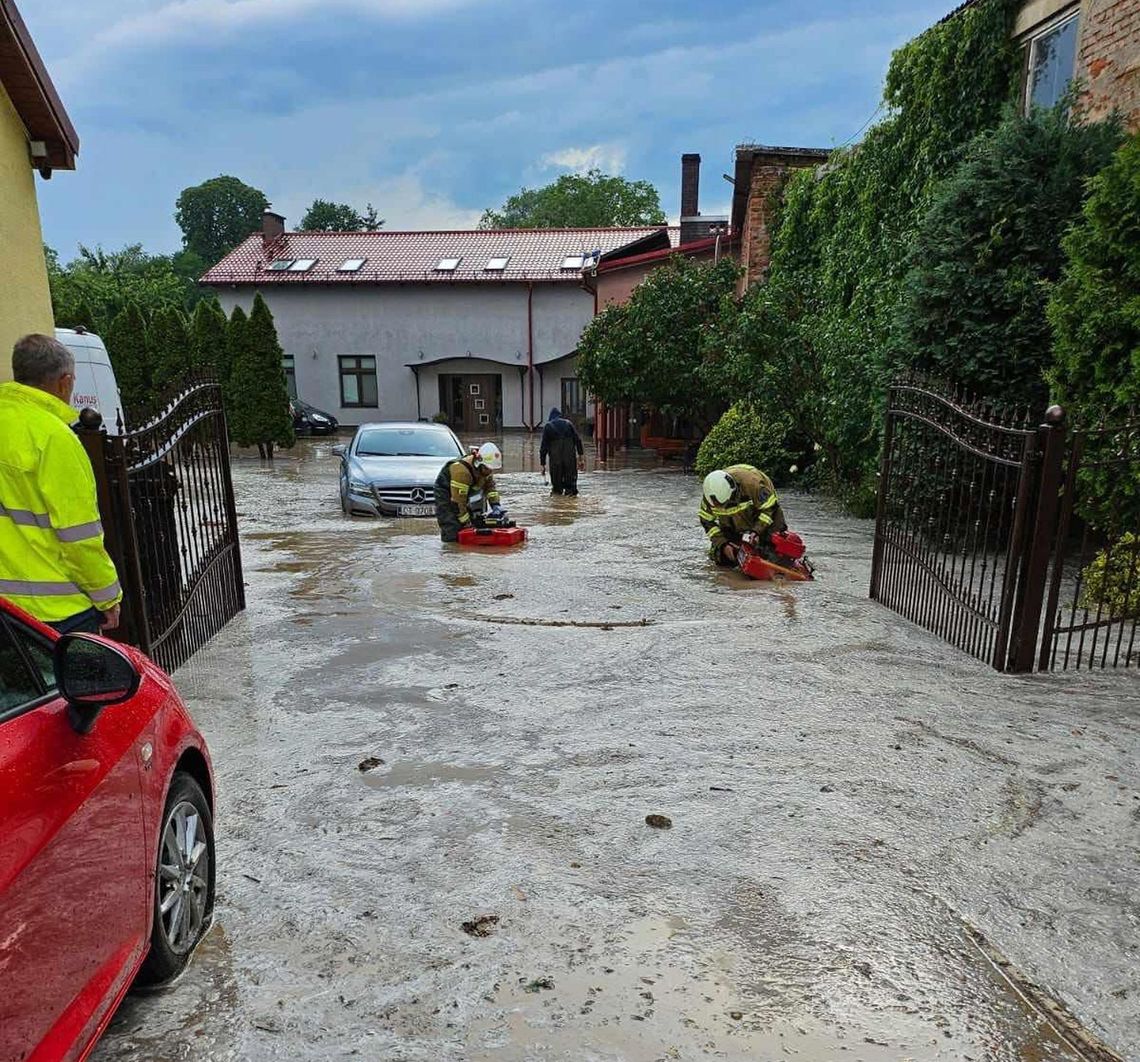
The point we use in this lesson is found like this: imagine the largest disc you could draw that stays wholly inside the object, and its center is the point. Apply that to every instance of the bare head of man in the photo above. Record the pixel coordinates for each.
(45, 363)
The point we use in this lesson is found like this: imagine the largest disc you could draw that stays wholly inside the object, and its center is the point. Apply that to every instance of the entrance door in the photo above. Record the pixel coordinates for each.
(473, 402)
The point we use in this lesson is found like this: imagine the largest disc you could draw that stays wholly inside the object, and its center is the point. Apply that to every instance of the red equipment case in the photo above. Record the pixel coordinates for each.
(492, 536)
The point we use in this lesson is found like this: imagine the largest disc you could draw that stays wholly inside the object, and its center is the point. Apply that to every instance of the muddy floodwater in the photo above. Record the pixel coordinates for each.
(433, 791)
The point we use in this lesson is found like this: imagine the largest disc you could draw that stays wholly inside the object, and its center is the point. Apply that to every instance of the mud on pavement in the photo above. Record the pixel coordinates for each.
(877, 846)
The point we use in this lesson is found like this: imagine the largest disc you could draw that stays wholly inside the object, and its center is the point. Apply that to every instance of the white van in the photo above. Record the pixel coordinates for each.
(95, 384)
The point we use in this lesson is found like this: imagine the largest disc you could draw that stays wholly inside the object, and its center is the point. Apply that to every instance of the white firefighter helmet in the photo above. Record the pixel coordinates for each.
(490, 455)
(719, 487)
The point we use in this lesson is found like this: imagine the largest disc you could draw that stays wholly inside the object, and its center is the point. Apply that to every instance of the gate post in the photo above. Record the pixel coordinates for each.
(108, 462)
(1042, 540)
(881, 505)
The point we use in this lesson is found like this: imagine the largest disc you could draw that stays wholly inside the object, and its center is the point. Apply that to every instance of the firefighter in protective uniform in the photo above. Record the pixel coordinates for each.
(466, 487)
(738, 500)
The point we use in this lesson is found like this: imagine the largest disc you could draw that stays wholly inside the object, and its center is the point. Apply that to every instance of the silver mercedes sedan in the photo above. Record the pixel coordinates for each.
(389, 469)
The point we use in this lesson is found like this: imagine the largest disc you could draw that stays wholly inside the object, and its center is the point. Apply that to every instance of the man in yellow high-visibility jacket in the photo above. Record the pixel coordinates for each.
(53, 563)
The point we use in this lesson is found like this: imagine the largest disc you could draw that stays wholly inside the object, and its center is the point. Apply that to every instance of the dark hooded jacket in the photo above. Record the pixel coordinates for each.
(558, 427)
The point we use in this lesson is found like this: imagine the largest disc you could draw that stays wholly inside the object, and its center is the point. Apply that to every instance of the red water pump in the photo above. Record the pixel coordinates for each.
(781, 557)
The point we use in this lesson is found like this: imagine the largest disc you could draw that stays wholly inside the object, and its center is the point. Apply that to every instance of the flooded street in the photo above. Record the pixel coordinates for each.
(877, 845)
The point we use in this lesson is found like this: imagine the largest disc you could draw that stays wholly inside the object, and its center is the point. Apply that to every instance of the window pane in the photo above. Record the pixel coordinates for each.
(1054, 61)
(17, 686)
(368, 388)
(39, 654)
(350, 390)
(367, 363)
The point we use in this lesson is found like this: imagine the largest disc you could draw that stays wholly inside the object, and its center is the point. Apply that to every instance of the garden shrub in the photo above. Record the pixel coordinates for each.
(1111, 583)
(749, 435)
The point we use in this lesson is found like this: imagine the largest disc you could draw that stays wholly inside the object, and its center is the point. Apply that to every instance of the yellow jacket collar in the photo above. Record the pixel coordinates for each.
(41, 399)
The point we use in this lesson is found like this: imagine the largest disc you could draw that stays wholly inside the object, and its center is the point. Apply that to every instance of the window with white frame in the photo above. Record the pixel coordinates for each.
(1052, 61)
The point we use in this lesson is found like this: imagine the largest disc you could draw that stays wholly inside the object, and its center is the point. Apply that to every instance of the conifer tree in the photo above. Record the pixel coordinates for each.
(260, 394)
(169, 348)
(126, 342)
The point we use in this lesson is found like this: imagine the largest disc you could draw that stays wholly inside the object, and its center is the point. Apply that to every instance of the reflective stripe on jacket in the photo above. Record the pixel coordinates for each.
(757, 508)
(464, 478)
(53, 563)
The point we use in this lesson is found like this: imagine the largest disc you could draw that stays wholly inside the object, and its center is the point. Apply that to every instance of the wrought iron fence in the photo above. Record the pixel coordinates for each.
(954, 498)
(1093, 611)
(1014, 541)
(167, 502)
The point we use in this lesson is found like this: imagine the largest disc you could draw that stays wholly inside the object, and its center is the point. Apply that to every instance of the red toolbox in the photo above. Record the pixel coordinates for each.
(492, 536)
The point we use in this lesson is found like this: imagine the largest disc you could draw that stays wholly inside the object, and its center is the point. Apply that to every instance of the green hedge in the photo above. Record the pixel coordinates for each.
(749, 435)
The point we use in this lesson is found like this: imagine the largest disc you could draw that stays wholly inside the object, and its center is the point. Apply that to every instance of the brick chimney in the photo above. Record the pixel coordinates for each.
(690, 185)
(272, 227)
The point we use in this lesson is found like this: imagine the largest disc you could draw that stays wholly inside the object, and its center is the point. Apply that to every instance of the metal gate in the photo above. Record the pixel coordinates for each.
(979, 517)
(167, 502)
(1093, 611)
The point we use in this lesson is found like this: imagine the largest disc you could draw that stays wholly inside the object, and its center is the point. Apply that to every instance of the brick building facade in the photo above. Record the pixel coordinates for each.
(1108, 60)
(761, 173)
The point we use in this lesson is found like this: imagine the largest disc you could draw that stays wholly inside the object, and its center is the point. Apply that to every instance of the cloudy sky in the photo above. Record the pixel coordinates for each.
(435, 109)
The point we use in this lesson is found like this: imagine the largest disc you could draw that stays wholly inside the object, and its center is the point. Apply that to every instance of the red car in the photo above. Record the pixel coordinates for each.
(106, 835)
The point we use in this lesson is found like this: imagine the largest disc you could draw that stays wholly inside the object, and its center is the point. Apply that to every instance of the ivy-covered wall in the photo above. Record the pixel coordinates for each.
(840, 249)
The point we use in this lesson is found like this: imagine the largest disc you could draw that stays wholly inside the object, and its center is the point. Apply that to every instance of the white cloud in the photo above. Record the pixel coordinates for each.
(197, 19)
(609, 158)
(404, 203)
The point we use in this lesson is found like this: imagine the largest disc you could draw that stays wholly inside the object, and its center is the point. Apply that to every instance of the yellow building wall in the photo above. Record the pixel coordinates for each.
(25, 300)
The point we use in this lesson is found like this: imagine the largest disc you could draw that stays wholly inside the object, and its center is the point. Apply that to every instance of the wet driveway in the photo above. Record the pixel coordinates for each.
(877, 845)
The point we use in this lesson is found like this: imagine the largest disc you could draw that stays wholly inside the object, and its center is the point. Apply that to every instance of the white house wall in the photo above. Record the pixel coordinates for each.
(398, 324)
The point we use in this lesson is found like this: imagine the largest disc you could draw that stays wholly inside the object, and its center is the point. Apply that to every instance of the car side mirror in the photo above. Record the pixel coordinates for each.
(91, 675)
(340, 449)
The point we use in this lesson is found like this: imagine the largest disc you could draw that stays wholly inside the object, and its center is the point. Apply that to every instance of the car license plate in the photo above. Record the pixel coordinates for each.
(416, 510)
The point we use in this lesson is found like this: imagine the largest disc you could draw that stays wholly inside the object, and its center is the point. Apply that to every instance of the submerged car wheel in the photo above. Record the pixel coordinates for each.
(344, 506)
(184, 882)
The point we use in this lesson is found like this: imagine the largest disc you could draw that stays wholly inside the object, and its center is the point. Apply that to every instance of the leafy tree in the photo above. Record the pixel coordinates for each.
(209, 351)
(989, 246)
(217, 215)
(126, 342)
(591, 200)
(97, 285)
(651, 350)
(260, 398)
(323, 216)
(169, 344)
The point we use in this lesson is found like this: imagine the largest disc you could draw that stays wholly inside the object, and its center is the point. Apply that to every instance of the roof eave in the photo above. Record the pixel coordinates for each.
(33, 94)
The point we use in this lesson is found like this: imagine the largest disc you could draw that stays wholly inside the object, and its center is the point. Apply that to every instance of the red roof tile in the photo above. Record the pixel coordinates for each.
(412, 257)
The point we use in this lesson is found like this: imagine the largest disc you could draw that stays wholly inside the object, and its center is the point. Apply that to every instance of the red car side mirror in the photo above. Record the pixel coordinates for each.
(92, 674)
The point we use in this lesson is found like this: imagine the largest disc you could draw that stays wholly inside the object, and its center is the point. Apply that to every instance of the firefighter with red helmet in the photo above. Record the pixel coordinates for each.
(739, 501)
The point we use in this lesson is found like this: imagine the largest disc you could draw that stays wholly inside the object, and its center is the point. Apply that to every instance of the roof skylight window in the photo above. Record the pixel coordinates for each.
(498, 264)
(302, 265)
(281, 265)
(448, 265)
(351, 265)
(573, 261)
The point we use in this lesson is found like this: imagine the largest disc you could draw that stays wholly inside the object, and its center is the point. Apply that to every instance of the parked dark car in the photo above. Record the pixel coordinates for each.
(308, 420)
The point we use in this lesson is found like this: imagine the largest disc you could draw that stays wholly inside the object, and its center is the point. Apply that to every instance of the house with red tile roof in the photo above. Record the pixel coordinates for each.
(481, 325)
